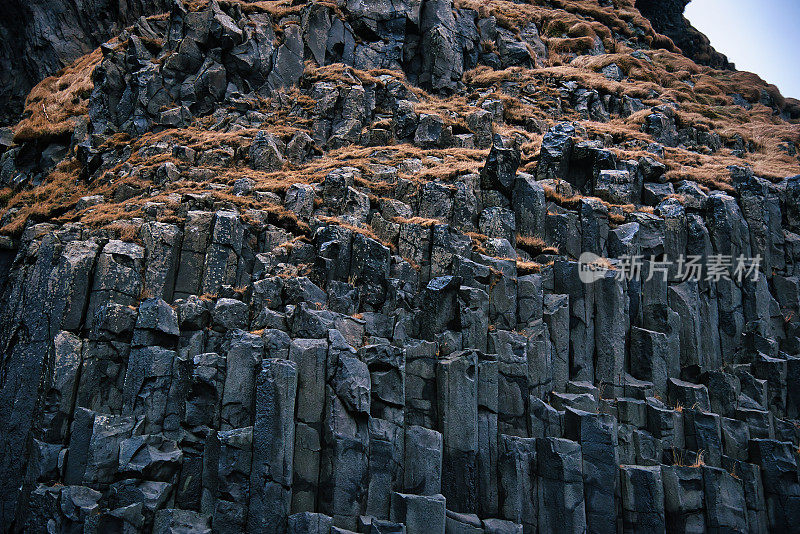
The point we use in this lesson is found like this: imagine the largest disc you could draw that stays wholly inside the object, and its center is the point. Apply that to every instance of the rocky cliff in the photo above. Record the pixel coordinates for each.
(667, 17)
(40, 37)
(321, 267)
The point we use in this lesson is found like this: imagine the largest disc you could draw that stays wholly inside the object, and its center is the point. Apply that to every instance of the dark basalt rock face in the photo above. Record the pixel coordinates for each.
(387, 348)
(666, 16)
(39, 37)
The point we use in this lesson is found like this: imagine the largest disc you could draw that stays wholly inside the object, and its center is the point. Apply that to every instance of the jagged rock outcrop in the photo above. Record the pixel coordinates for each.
(39, 37)
(317, 269)
(667, 18)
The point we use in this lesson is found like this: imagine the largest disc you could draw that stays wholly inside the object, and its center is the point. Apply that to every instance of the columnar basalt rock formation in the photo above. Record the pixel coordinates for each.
(316, 267)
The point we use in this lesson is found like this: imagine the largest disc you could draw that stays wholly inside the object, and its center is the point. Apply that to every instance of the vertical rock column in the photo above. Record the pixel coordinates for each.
(222, 256)
(421, 514)
(440, 306)
(502, 291)
(458, 415)
(611, 324)
(345, 436)
(556, 317)
(642, 499)
(310, 356)
(540, 359)
(560, 489)
(189, 280)
(386, 365)
(163, 245)
(726, 508)
(781, 488)
(512, 383)
(150, 366)
(683, 498)
(60, 400)
(488, 387)
(474, 317)
(649, 353)
(597, 435)
(423, 461)
(245, 352)
(204, 393)
(530, 205)
(273, 447)
(684, 299)
(730, 235)
(415, 244)
(750, 475)
(118, 277)
(518, 485)
(421, 400)
(581, 325)
(226, 478)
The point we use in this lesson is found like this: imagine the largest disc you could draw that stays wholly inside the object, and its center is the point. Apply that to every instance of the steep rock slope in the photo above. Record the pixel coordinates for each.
(667, 18)
(40, 37)
(312, 267)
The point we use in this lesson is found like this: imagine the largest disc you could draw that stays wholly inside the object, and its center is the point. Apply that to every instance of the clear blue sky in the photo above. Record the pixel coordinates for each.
(761, 36)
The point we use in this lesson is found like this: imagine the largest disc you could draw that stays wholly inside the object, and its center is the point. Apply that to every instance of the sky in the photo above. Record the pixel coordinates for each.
(761, 36)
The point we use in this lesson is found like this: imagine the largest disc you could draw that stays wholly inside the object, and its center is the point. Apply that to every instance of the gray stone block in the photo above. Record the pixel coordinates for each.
(271, 473)
(421, 514)
(560, 485)
(642, 499)
(458, 408)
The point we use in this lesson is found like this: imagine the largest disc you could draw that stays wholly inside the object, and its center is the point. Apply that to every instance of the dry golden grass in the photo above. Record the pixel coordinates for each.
(760, 129)
(54, 102)
(699, 461)
(528, 267)
(477, 237)
(569, 27)
(478, 240)
(453, 110)
(678, 458)
(277, 8)
(343, 74)
(707, 107)
(295, 242)
(125, 231)
(535, 245)
(358, 229)
(453, 162)
(57, 197)
(733, 472)
(569, 202)
(420, 221)
(59, 193)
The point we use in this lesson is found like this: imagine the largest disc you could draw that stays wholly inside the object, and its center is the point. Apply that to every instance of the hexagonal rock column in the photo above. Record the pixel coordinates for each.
(458, 415)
